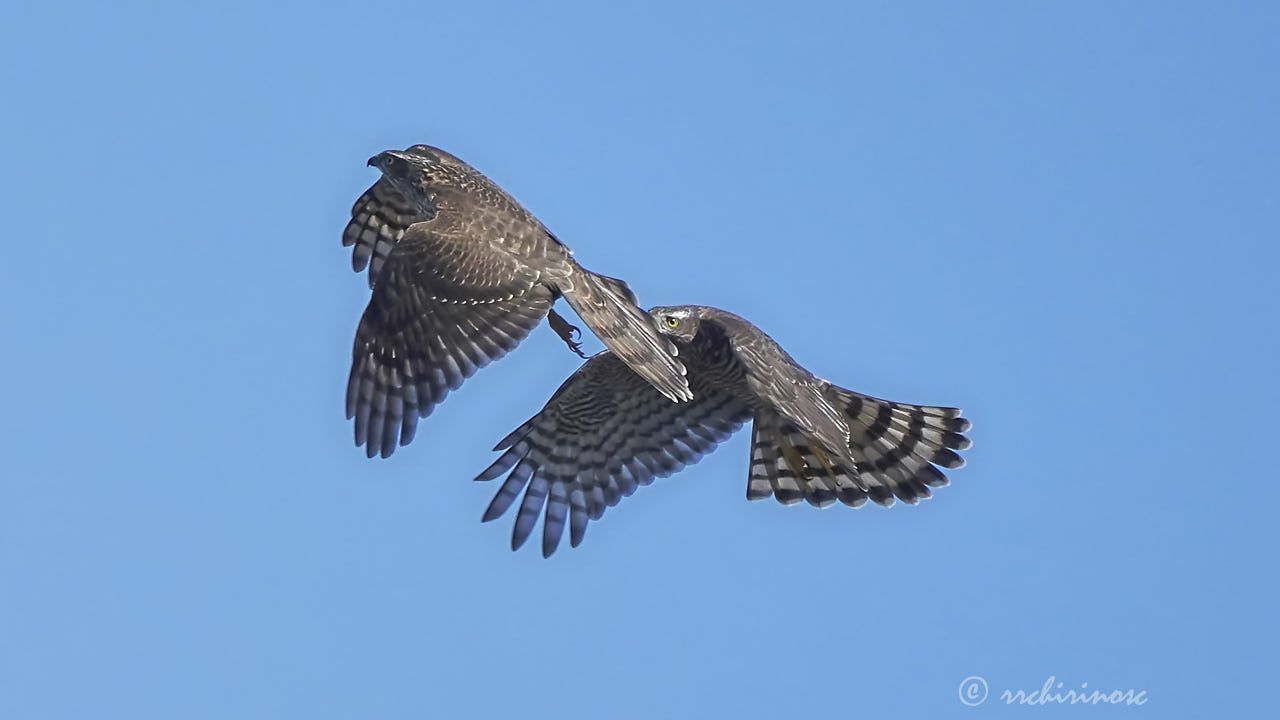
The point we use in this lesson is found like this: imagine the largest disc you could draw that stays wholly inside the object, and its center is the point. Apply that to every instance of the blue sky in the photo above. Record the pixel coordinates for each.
(1059, 216)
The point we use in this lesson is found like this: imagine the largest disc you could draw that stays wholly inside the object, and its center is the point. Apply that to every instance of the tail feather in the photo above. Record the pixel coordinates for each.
(609, 308)
(790, 466)
(897, 445)
(760, 481)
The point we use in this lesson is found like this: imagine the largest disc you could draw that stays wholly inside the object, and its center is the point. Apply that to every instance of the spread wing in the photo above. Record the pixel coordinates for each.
(791, 390)
(446, 304)
(378, 221)
(894, 447)
(604, 433)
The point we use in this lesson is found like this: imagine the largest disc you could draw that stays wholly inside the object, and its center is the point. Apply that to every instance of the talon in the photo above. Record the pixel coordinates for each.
(568, 333)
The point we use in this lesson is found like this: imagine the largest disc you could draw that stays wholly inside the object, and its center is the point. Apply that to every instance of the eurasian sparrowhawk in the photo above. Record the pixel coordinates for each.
(461, 273)
(606, 431)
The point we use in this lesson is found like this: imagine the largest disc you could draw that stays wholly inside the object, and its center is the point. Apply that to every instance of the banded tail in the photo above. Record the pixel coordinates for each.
(896, 447)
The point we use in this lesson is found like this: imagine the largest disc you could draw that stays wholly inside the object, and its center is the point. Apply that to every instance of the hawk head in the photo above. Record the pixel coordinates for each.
(413, 171)
(677, 321)
(414, 161)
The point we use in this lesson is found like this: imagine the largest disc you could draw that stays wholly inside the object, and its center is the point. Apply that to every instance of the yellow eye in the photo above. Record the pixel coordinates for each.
(673, 322)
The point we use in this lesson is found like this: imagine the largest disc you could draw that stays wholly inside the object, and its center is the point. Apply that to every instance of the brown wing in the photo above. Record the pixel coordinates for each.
(445, 305)
(604, 433)
(609, 309)
(787, 387)
(897, 445)
(378, 221)
(821, 443)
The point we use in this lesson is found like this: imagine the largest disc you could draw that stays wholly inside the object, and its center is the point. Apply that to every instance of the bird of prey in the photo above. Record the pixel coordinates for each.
(461, 273)
(605, 432)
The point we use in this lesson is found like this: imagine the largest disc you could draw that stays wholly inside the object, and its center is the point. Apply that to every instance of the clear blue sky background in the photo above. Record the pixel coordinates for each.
(1060, 216)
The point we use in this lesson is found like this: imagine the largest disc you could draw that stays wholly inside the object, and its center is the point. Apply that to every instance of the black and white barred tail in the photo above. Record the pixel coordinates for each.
(896, 447)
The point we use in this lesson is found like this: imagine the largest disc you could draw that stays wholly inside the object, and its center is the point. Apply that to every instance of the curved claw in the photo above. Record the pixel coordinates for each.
(568, 333)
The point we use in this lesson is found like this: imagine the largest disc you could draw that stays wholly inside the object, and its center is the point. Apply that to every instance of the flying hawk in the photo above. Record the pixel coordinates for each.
(461, 273)
(607, 431)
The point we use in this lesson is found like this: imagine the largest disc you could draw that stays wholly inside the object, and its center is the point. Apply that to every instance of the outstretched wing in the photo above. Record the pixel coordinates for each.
(897, 445)
(604, 433)
(823, 443)
(378, 221)
(446, 304)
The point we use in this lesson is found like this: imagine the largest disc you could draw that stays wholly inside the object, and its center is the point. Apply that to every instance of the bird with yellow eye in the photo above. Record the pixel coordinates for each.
(607, 431)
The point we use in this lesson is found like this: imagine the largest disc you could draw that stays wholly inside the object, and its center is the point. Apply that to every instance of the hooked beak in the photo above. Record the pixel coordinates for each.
(376, 160)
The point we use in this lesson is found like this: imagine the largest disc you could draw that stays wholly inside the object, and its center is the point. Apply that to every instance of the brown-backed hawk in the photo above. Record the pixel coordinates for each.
(461, 273)
(606, 432)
